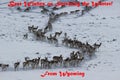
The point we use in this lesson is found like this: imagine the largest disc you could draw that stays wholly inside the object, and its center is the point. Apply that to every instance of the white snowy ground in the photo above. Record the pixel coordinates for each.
(106, 64)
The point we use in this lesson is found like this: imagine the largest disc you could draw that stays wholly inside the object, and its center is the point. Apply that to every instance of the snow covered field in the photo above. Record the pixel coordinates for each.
(103, 26)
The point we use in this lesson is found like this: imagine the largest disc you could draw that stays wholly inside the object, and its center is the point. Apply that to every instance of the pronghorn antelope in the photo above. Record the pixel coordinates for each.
(76, 58)
(52, 39)
(66, 62)
(97, 45)
(65, 35)
(58, 58)
(55, 8)
(27, 9)
(79, 60)
(48, 27)
(16, 65)
(63, 13)
(82, 12)
(19, 9)
(37, 61)
(4, 66)
(53, 63)
(49, 39)
(40, 35)
(79, 54)
(27, 58)
(65, 41)
(29, 63)
(44, 10)
(58, 33)
(72, 54)
(87, 8)
(77, 11)
(25, 36)
(55, 40)
(25, 65)
(44, 63)
(71, 12)
(32, 28)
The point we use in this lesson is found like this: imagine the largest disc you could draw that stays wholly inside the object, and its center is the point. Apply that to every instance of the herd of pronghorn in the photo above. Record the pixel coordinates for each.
(74, 58)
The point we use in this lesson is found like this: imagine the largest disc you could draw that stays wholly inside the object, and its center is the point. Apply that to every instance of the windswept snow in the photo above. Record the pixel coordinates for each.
(102, 24)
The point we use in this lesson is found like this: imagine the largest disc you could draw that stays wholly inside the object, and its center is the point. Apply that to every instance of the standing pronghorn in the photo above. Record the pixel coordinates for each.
(16, 65)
